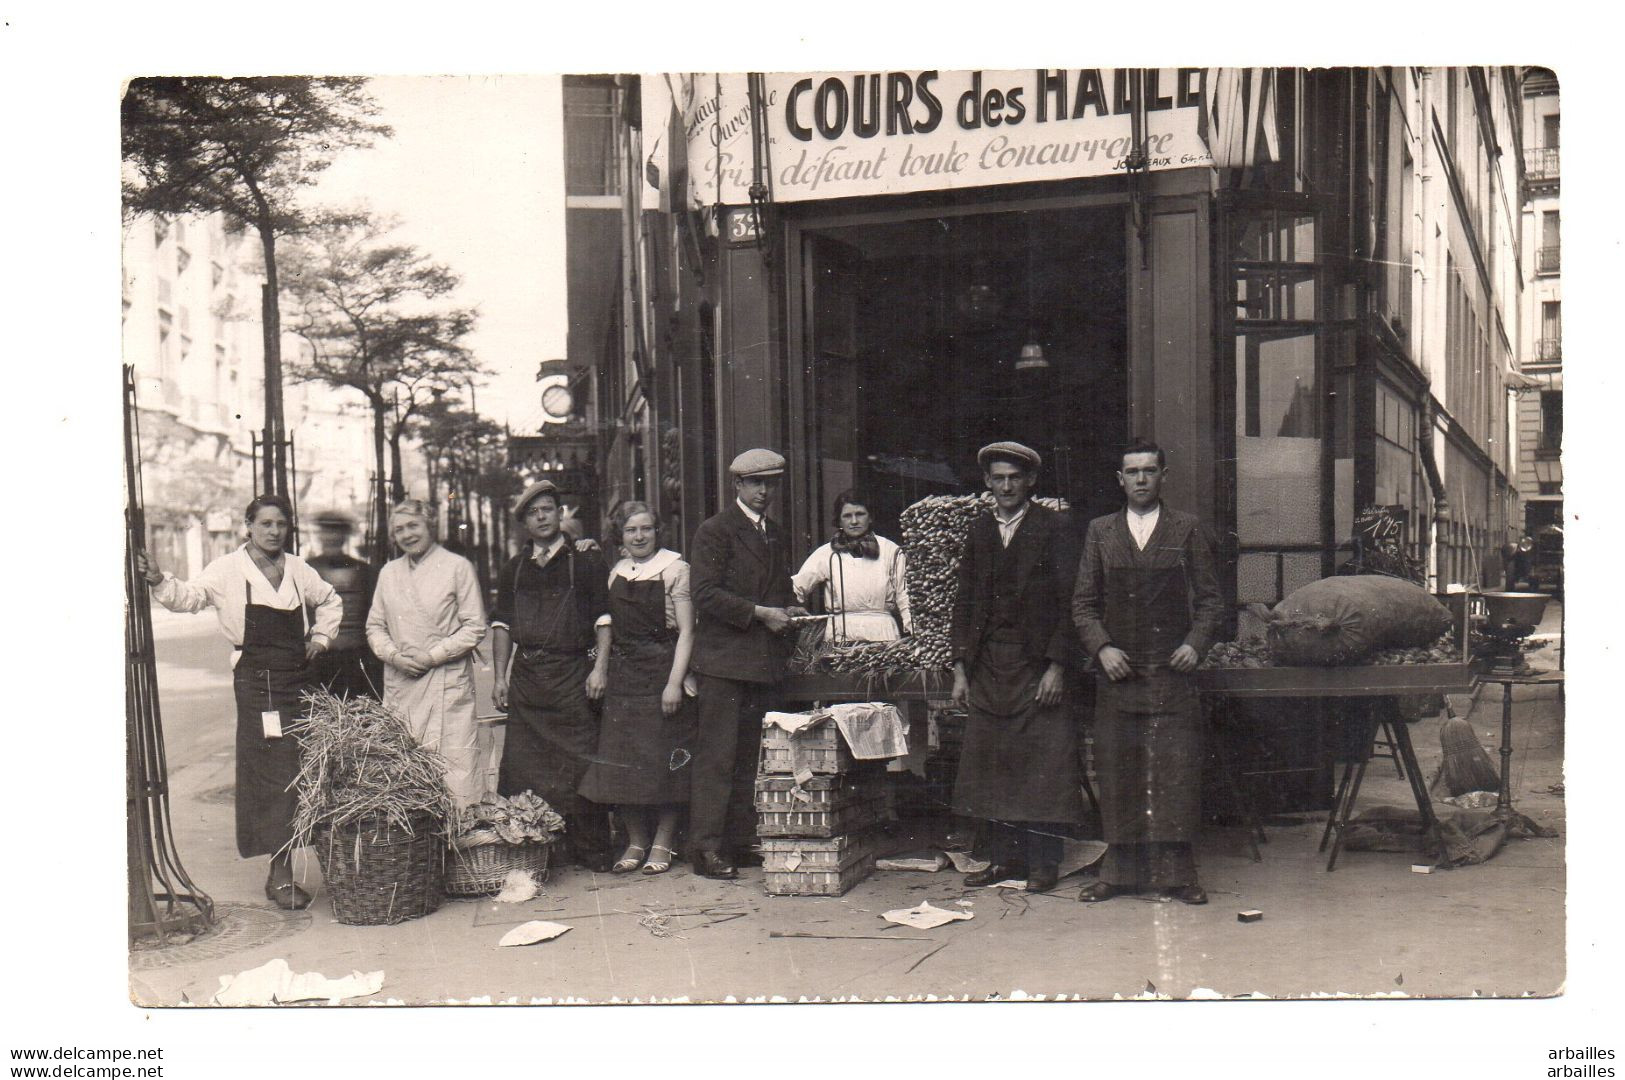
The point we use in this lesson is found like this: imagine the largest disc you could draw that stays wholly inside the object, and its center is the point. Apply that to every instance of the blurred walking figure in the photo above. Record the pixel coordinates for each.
(347, 667)
(263, 597)
(427, 619)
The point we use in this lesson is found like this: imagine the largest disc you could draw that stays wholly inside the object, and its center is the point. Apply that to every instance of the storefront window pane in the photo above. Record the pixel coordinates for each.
(1255, 578)
(1278, 439)
(1299, 568)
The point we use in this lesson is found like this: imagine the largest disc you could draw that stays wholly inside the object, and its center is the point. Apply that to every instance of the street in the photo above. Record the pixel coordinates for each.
(1373, 927)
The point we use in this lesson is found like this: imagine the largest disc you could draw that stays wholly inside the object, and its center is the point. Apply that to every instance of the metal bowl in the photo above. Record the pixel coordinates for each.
(1515, 608)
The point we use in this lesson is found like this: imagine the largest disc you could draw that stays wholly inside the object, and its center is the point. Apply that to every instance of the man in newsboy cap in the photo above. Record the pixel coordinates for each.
(1012, 651)
(552, 608)
(744, 602)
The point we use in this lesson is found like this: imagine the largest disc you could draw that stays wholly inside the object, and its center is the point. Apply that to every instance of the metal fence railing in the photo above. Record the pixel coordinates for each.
(1549, 260)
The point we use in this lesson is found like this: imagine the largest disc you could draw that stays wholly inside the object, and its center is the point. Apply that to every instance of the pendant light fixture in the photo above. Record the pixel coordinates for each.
(1032, 353)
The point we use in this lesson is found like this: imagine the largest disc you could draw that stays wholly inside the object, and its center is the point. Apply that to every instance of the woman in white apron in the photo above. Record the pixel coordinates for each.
(426, 620)
(862, 577)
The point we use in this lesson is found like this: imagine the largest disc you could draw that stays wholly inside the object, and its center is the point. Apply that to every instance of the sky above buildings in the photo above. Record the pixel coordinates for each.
(475, 172)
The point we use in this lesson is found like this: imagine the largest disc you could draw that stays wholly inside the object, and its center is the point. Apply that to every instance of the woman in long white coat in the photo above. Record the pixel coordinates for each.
(861, 576)
(427, 618)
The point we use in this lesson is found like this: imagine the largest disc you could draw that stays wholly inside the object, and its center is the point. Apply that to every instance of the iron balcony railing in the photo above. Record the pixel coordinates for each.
(1541, 162)
(1549, 260)
(1549, 349)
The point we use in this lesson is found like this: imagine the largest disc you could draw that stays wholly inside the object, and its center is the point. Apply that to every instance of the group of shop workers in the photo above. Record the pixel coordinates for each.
(641, 687)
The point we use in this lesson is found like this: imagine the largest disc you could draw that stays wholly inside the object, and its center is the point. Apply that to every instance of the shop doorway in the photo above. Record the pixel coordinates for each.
(927, 338)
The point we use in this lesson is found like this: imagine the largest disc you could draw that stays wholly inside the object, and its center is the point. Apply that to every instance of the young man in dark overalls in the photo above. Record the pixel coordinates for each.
(552, 607)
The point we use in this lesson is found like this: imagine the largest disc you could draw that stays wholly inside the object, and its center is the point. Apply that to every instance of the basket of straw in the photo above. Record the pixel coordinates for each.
(497, 836)
(374, 805)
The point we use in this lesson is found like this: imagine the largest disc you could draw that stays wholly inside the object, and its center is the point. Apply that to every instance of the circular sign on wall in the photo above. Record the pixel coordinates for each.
(557, 400)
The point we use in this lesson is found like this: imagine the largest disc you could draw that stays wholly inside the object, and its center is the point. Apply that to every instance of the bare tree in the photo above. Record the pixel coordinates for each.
(244, 147)
(372, 315)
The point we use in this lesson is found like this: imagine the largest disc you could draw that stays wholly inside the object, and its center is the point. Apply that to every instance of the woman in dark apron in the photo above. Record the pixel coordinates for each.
(249, 590)
(648, 722)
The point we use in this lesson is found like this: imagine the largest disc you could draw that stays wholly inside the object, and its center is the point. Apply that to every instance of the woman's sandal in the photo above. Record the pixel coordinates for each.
(628, 862)
(658, 866)
(287, 896)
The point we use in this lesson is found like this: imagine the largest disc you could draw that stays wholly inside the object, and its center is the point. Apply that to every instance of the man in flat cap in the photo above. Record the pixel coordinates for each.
(1018, 769)
(552, 608)
(744, 602)
(1148, 607)
(348, 666)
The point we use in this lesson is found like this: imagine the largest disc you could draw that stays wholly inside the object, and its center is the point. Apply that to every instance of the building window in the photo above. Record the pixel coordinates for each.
(1549, 349)
(1551, 421)
(1551, 487)
(1549, 258)
(592, 165)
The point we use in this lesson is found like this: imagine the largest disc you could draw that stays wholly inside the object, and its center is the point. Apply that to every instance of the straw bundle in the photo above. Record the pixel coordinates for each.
(359, 762)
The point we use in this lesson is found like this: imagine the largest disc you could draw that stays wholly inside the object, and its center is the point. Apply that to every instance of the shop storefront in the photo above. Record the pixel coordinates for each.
(879, 273)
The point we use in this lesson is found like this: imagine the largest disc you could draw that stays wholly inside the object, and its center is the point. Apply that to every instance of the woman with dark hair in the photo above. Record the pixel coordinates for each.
(647, 730)
(862, 576)
(264, 599)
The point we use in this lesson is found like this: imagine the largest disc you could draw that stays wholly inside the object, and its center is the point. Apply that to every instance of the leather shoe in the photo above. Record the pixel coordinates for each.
(710, 864)
(1043, 878)
(1188, 894)
(994, 874)
(1096, 891)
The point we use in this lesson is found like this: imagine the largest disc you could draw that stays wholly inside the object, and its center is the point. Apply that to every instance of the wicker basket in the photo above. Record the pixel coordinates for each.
(377, 873)
(480, 870)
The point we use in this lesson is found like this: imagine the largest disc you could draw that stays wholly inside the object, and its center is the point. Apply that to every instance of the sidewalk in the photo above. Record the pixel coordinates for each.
(1373, 927)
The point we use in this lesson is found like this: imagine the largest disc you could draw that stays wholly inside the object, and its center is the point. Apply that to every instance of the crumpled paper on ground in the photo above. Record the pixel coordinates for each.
(532, 932)
(965, 863)
(924, 917)
(517, 887)
(274, 983)
(930, 863)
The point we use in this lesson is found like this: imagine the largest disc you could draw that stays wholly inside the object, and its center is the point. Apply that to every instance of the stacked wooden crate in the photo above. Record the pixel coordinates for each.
(816, 812)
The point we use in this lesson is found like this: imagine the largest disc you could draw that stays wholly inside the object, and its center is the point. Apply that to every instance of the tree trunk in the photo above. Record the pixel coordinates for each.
(397, 484)
(276, 464)
(380, 515)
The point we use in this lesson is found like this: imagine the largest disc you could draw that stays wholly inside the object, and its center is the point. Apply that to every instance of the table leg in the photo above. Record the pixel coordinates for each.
(1337, 802)
(1503, 802)
(1340, 822)
(1424, 802)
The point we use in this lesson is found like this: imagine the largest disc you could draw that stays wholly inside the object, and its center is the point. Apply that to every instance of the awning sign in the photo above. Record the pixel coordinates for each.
(839, 134)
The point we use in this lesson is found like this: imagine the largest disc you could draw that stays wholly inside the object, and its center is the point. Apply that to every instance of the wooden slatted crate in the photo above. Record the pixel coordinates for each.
(816, 867)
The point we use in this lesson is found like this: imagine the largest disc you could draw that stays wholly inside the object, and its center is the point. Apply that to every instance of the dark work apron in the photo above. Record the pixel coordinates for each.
(1148, 753)
(643, 754)
(270, 674)
(1019, 760)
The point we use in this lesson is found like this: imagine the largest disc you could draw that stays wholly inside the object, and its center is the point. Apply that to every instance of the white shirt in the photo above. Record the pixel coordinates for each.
(1008, 526)
(225, 585)
(755, 518)
(542, 556)
(862, 589)
(1141, 526)
(664, 565)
